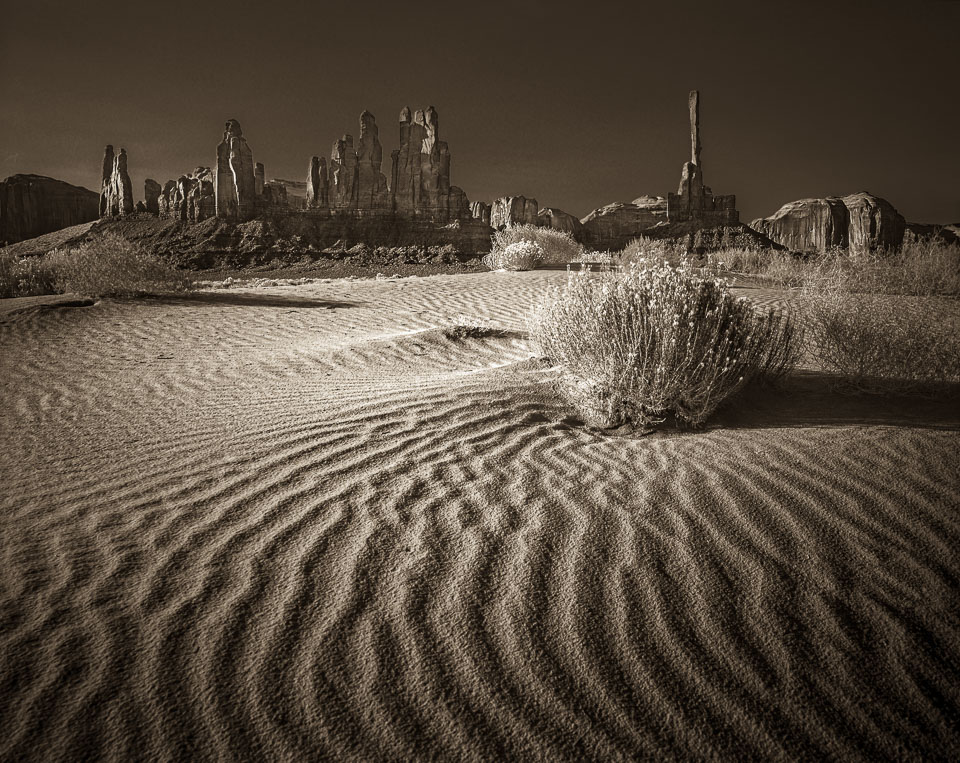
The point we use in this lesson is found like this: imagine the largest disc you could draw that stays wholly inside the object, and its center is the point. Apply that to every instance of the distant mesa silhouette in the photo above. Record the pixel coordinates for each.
(31, 205)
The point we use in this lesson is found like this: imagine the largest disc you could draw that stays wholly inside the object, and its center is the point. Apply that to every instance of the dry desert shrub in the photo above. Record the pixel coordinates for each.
(881, 343)
(112, 266)
(522, 255)
(558, 247)
(644, 248)
(25, 277)
(654, 339)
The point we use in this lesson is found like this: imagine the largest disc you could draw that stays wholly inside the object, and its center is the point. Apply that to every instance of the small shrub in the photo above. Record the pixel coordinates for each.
(643, 248)
(523, 255)
(558, 247)
(880, 343)
(465, 327)
(115, 267)
(653, 340)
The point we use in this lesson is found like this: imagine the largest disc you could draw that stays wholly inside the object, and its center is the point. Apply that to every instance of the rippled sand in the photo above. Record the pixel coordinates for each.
(301, 523)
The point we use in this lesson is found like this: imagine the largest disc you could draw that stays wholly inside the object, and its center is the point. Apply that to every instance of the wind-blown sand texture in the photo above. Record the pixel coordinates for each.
(301, 523)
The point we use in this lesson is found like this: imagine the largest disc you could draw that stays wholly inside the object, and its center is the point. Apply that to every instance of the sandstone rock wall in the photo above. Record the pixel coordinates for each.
(116, 190)
(859, 221)
(31, 205)
(508, 211)
(480, 210)
(615, 225)
(235, 185)
(550, 217)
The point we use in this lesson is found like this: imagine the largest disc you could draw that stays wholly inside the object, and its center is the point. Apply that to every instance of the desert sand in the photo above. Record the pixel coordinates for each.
(300, 523)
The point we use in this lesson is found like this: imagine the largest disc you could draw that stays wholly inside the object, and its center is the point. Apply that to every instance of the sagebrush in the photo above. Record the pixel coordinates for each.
(112, 266)
(654, 340)
(25, 277)
(558, 247)
(521, 255)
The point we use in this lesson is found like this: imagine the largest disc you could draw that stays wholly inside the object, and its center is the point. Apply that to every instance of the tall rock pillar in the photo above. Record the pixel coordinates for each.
(235, 187)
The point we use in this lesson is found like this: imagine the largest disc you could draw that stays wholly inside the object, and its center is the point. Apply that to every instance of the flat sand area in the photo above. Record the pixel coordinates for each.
(300, 523)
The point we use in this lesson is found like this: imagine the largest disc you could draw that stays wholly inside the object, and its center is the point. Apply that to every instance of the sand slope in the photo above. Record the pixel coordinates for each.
(301, 523)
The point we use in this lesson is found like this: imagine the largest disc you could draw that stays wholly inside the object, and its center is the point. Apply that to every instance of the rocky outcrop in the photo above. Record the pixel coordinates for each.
(275, 194)
(151, 195)
(190, 198)
(615, 225)
(508, 211)
(235, 182)
(549, 217)
(859, 221)
(317, 184)
(480, 210)
(116, 190)
(420, 171)
(343, 173)
(31, 205)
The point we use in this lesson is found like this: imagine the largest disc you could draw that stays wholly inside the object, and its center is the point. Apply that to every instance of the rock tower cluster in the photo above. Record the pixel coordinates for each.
(116, 190)
(235, 184)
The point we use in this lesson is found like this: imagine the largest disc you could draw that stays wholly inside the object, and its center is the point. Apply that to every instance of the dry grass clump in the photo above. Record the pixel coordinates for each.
(881, 343)
(25, 277)
(644, 248)
(521, 255)
(112, 266)
(654, 340)
(558, 247)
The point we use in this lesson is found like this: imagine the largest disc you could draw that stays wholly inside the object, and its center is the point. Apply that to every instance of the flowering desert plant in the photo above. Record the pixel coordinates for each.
(116, 267)
(654, 340)
(522, 255)
(559, 247)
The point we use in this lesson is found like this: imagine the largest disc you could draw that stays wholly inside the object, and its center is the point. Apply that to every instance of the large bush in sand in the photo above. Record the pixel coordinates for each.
(25, 276)
(558, 247)
(655, 340)
(113, 266)
(522, 255)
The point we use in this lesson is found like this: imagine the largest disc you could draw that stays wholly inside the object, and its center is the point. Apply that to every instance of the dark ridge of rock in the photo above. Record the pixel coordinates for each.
(151, 195)
(859, 221)
(116, 190)
(508, 211)
(943, 234)
(275, 194)
(296, 190)
(612, 227)
(235, 185)
(371, 184)
(216, 242)
(33, 205)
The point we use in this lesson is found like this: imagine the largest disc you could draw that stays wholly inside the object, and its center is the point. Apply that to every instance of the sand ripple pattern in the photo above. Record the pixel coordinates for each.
(303, 524)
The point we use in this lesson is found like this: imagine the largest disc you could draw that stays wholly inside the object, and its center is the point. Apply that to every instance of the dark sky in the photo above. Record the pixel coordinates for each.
(575, 104)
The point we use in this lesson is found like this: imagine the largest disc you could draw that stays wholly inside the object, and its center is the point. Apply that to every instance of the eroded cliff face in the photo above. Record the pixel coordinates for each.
(859, 221)
(235, 185)
(31, 205)
(190, 198)
(615, 225)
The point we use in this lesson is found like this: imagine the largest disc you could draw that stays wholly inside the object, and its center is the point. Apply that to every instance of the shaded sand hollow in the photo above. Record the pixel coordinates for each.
(300, 523)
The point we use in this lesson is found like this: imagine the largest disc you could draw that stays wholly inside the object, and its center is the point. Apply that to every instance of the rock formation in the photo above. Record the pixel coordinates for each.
(116, 190)
(235, 184)
(258, 178)
(370, 182)
(859, 221)
(508, 211)
(275, 194)
(190, 198)
(615, 225)
(31, 205)
(151, 195)
(420, 171)
(694, 201)
(480, 210)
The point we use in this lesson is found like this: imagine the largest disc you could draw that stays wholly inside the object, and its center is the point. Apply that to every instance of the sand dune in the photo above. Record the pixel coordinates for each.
(302, 523)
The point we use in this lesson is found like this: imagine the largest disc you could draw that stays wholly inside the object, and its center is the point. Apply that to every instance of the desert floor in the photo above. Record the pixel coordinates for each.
(294, 523)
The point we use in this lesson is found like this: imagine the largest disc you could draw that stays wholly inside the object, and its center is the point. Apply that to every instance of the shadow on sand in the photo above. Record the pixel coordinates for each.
(244, 299)
(810, 399)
